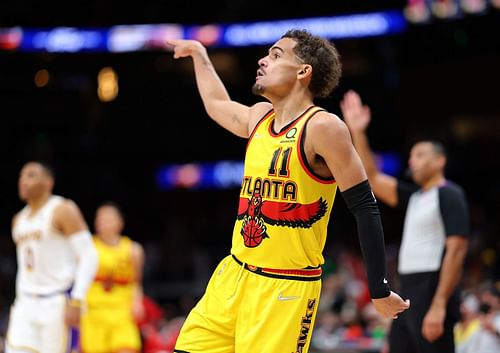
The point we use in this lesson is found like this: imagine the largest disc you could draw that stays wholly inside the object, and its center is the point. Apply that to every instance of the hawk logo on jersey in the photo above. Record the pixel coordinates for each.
(255, 213)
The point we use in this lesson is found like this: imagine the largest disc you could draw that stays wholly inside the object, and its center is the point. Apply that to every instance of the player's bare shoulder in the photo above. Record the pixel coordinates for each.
(68, 218)
(257, 112)
(66, 208)
(14, 220)
(328, 128)
(137, 251)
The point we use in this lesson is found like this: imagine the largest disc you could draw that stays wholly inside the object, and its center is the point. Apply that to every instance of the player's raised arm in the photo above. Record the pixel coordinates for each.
(331, 140)
(233, 116)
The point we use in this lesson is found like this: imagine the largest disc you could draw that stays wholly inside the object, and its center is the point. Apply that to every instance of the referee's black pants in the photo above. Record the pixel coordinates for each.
(406, 331)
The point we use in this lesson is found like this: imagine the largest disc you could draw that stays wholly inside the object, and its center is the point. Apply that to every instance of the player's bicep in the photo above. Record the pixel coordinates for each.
(332, 141)
(346, 168)
(69, 219)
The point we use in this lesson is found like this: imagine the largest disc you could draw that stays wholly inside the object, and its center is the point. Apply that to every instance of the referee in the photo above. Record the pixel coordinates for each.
(434, 242)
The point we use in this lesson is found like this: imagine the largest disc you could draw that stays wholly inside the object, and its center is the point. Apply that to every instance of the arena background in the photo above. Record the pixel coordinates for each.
(439, 79)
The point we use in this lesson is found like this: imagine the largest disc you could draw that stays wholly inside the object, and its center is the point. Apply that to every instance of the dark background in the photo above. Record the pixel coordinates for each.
(439, 80)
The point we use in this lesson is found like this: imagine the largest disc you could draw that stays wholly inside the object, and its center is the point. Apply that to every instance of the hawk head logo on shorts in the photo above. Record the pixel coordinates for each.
(255, 213)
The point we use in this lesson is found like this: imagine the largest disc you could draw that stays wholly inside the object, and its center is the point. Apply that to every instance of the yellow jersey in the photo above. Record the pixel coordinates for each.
(284, 206)
(114, 283)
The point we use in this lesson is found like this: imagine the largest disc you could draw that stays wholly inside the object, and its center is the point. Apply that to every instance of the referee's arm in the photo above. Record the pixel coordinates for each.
(357, 117)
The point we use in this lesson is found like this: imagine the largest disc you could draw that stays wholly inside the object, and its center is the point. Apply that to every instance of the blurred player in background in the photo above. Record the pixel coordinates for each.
(56, 265)
(114, 301)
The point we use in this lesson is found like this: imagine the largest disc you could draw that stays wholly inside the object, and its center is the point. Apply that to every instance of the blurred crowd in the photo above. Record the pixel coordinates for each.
(347, 320)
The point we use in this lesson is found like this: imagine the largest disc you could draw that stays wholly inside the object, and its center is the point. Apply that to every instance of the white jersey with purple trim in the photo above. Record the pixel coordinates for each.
(46, 262)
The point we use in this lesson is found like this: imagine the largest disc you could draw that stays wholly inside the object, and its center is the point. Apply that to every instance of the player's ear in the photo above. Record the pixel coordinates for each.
(305, 71)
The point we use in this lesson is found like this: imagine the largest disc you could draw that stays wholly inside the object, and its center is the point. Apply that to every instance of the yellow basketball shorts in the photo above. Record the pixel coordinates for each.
(104, 330)
(248, 309)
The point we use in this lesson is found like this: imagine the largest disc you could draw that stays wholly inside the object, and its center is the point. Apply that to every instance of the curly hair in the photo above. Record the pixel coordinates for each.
(322, 56)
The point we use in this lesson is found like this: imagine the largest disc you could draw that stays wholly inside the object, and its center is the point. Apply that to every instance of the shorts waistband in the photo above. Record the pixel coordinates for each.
(304, 274)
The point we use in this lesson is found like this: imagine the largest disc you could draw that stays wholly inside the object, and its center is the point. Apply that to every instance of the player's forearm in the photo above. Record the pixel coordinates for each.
(83, 246)
(449, 276)
(210, 86)
(360, 201)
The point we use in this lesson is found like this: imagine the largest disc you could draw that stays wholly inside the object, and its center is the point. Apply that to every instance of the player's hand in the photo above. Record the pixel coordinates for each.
(183, 48)
(72, 314)
(433, 324)
(391, 306)
(356, 115)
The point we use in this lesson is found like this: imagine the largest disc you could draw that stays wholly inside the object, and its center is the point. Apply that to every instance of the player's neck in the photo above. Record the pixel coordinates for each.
(288, 110)
(434, 181)
(36, 203)
(110, 239)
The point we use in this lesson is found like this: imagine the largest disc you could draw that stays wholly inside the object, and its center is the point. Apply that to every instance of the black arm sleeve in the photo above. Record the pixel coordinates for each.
(362, 204)
(454, 210)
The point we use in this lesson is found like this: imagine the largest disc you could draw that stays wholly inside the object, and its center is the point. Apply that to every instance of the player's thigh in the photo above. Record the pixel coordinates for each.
(209, 327)
(55, 335)
(125, 337)
(277, 315)
(206, 330)
(94, 333)
(9, 349)
(22, 333)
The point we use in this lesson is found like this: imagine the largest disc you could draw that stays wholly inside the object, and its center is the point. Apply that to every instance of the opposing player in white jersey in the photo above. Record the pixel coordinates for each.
(56, 265)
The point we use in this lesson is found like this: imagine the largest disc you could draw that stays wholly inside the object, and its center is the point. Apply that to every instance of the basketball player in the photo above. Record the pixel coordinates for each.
(264, 296)
(56, 263)
(114, 301)
(434, 241)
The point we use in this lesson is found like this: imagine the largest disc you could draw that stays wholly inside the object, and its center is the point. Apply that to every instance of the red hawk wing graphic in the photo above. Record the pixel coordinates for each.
(293, 215)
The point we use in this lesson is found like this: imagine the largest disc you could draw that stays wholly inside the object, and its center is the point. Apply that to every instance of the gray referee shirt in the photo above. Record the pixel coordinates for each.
(431, 216)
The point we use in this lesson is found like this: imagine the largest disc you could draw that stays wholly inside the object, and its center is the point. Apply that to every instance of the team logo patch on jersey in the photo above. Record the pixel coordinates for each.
(256, 213)
(291, 133)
